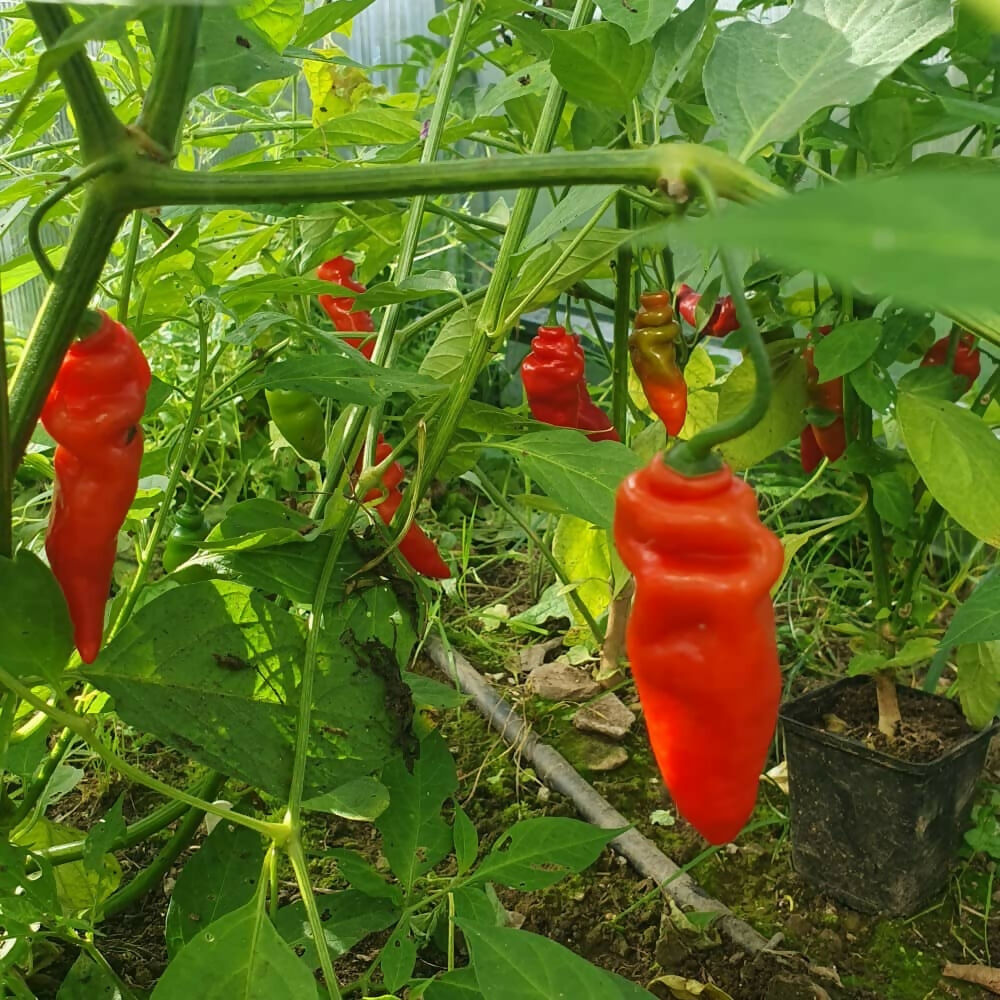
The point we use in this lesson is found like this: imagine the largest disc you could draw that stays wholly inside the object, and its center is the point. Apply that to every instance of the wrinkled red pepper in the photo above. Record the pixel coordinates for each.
(723, 320)
(92, 413)
(653, 350)
(340, 271)
(828, 397)
(701, 637)
(556, 386)
(967, 363)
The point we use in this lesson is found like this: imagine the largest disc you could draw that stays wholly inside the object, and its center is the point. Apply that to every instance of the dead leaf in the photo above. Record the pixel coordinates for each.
(981, 975)
(685, 989)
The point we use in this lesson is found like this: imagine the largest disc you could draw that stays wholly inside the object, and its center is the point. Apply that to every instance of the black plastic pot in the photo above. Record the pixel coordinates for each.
(875, 832)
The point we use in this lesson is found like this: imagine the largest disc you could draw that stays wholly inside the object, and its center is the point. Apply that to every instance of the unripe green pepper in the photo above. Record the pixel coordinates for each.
(300, 419)
(190, 527)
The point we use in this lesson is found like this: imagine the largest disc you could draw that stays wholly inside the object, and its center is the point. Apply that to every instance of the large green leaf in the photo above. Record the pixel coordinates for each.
(214, 669)
(240, 957)
(515, 965)
(922, 237)
(979, 681)
(640, 18)
(598, 66)
(673, 48)
(764, 80)
(447, 355)
(415, 836)
(959, 459)
(35, 632)
(581, 476)
(978, 619)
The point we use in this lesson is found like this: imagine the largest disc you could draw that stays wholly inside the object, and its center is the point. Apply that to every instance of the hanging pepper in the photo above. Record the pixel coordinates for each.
(300, 419)
(92, 412)
(828, 399)
(416, 548)
(340, 271)
(723, 320)
(190, 527)
(810, 451)
(701, 637)
(556, 386)
(653, 349)
(967, 364)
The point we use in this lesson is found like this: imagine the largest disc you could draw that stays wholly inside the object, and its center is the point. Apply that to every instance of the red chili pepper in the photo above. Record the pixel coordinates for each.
(92, 412)
(723, 320)
(653, 349)
(340, 271)
(416, 548)
(701, 637)
(967, 363)
(556, 387)
(828, 396)
(810, 451)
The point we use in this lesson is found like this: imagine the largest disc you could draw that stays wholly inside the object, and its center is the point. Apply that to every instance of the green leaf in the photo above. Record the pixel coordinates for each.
(276, 20)
(673, 47)
(580, 201)
(348, 917)
(344, 378)
(920, 237)
(537, 853)
(893, 498)
(35, 631)
(594, 254)
(640, 18)
(763, 81)
(978, 619)
(86, 980)
(784, 418)
(214, 669)
(874, 387)
(979, 681)
(255, 524)
(328, 17)
(914, 651)
(598, 67)
(414, 834)
(399, 955)
(517, 965)
(240, 957)
(466, 840)
(362, 876)
(412, 289)
(429, 693)
(584, 554)
(102, 835)
(580, 475)
(363, 799)
(372, 127)
(846, 347)
(220, 877)
(460, 984)
(959, 459)
(447, 355)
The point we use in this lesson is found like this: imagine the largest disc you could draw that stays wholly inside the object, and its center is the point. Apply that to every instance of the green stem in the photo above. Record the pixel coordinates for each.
(298, 859)
(39, 780)
(695, 457)
(623, 320)
(96, 124)
(155, 870)
(876, 531)
(167, 96)
(190, 425)
(84, 729)
(60, 315)
(147, 184)
(128, 272)
(136, 833)
(501, 501)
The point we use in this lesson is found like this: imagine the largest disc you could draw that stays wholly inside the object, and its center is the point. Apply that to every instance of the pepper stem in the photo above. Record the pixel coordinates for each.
(695, 457)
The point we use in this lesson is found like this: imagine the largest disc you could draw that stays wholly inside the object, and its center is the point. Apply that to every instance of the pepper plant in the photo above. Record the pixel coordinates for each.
(274, 650)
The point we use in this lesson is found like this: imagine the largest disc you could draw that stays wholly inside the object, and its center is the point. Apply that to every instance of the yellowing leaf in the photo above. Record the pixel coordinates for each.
(335, 90)
(582, 550)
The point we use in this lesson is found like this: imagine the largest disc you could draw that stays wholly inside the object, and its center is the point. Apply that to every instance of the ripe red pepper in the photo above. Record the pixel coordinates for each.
(416, 548)
(556, 386)
(653, 349)
(723, 320)
(810, 451)
(340, 271)
(967, 363)
(701, 637)
(828, 397)
(92, 412)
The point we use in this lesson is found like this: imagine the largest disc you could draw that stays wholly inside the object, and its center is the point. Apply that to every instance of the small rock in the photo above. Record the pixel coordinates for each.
(515, 919)
(558, 681)
(789, 987)
(532, 657)
(593, 754)
(831, 942)
(607, 716)
(798, 926)
(543, 794)
(852, 922)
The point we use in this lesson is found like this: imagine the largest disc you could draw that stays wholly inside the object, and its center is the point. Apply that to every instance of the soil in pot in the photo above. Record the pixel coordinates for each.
(874, 824)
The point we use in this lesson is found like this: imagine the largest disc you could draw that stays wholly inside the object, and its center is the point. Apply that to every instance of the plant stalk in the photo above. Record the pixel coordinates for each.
(623, 321)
